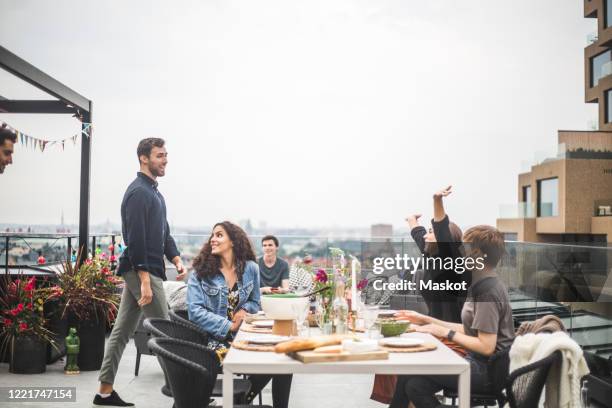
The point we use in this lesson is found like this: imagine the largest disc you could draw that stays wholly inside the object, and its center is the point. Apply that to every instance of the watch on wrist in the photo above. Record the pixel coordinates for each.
(450, 335)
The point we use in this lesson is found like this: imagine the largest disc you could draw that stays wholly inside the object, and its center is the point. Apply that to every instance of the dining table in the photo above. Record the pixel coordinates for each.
(441, 361)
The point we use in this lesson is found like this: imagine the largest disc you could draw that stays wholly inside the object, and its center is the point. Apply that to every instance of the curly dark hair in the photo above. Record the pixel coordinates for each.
(207, 265)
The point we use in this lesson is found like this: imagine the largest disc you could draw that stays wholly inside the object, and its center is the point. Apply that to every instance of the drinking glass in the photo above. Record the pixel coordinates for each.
(301, 311)
(369, 314)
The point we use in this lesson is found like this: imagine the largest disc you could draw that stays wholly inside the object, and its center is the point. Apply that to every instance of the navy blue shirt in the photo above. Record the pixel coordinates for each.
(145, 229)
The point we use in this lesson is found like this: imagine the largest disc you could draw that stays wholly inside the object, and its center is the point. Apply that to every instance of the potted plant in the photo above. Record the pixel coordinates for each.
(89, 301)
(23, 334)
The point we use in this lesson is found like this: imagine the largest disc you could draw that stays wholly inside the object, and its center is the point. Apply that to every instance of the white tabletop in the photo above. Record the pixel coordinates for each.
(440, 361)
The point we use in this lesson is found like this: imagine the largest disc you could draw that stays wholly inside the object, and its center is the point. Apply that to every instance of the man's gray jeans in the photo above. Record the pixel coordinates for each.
(127, 319)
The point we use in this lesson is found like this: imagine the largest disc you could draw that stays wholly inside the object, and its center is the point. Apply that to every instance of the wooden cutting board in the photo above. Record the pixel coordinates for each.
(310, 356)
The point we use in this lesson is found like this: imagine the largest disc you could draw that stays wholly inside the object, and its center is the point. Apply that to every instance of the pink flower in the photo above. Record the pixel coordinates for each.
(321, 276)
(88, 261)
(23, 326)
(14, 312)
(105, 271)
(30, 285)
(113, 258)
(111, 247)
(20, 307)
(362, 284)
(7, 322)
(103, 255)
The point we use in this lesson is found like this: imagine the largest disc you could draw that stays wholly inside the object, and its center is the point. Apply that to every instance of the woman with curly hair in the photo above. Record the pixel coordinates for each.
(223, 289)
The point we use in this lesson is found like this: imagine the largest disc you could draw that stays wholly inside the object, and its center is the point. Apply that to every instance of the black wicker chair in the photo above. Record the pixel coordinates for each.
(188, 331)
(499, 366)
(525, 385)
(179, 316)
(192, 371)
(140, 340)
(176, 330)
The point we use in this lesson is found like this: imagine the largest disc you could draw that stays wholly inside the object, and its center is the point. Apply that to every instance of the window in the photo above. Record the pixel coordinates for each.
(607, 13)
(527, 206)
(548, 197)
(510, 236)
(608, 106)
(527, 194)
(600, 67)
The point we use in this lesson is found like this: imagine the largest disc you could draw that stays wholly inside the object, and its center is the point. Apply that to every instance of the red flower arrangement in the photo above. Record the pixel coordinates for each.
(88, 291)
(21, 311)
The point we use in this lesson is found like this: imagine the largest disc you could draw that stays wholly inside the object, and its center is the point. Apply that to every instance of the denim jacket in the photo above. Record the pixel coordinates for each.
(207, 299)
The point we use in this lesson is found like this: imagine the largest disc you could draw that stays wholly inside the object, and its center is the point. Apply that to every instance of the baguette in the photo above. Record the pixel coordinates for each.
(337, 349)
(309, 343)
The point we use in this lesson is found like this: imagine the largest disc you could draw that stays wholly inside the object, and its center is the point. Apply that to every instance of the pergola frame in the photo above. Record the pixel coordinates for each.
(67, 102)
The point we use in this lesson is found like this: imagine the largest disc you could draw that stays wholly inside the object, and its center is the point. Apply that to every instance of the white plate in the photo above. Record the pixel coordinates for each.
(267, 340)
(263, 323)
(401, 342)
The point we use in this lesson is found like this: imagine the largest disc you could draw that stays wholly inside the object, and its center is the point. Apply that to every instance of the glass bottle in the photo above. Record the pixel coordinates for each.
(340, 310)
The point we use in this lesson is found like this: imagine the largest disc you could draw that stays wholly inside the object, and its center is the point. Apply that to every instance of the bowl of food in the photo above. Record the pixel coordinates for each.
(392, 327)
(283, 306)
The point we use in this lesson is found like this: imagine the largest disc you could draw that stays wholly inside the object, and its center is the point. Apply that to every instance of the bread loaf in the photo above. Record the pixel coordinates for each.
(309, 343)
(337, 349)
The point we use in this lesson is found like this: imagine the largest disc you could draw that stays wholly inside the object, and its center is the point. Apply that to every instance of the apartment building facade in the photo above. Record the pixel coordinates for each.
(568, 198)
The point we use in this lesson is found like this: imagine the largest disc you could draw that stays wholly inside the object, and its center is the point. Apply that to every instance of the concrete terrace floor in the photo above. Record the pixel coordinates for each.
(307, 391)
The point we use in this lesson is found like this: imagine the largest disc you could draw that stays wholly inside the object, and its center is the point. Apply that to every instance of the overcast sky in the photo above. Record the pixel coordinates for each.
(297, 113)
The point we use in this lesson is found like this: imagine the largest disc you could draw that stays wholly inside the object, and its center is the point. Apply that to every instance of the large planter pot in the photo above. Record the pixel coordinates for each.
(28, 355)
(59, 327)
(92, 335)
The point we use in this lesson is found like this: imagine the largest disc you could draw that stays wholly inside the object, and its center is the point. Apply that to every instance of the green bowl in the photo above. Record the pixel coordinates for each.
(390, 328)
(282, 295)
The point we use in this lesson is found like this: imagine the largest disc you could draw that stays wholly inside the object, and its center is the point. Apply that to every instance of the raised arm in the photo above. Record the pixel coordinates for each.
(438, 204)
(417, 231)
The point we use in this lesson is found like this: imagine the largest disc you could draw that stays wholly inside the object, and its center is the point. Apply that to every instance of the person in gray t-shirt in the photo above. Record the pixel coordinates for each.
(273, 271)
(486, 325)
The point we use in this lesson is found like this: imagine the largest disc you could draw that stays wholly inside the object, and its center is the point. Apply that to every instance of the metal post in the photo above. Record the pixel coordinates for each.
(85, 177)
(6, 249)
(69, 259)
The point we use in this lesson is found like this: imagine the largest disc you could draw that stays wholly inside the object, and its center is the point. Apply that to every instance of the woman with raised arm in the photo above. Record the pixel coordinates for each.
(222, 290)
(441, 242)
(486, 324)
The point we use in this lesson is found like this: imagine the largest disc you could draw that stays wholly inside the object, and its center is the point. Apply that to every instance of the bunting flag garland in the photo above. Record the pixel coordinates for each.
(42, 144)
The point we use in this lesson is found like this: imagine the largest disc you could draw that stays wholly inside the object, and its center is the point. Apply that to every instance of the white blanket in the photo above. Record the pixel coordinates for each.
(176, 295)
(563, 382)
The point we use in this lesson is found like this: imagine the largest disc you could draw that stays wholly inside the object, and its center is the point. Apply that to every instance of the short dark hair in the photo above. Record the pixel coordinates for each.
(146, 145)
(270, 237)
(7, 134)
(486, 242)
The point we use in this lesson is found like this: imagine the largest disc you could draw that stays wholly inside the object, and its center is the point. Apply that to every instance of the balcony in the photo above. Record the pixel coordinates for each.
(603, 208)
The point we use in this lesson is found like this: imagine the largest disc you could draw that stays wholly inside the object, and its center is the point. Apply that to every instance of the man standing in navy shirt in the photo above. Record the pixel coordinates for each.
(147, 235)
